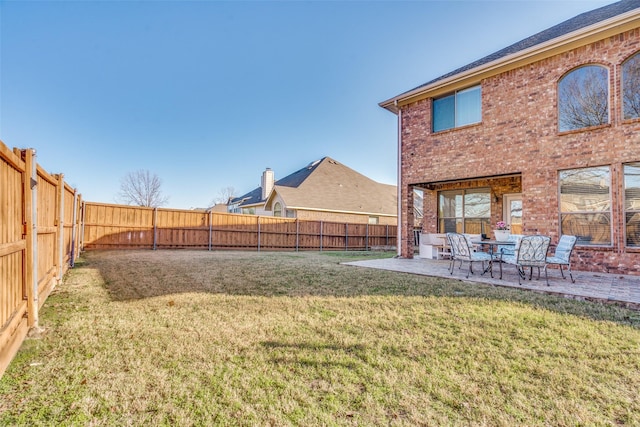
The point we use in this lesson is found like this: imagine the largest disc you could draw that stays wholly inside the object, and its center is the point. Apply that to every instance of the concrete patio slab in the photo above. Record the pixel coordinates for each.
(623, 290)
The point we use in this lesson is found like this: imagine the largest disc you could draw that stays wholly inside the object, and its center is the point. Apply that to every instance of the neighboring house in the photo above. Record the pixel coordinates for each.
(544, 134)
(252, 203)
(325, 190)
(219, 207)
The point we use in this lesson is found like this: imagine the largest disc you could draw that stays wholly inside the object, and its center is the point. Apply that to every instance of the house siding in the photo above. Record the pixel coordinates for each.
(311, 215)
(518, 136)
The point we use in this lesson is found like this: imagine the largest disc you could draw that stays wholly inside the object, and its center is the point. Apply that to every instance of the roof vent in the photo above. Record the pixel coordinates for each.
(314, 163)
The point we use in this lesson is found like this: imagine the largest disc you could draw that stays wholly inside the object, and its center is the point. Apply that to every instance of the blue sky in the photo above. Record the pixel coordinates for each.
(207, 94)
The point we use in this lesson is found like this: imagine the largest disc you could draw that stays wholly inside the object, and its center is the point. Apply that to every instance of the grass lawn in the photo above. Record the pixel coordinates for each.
(246, 338)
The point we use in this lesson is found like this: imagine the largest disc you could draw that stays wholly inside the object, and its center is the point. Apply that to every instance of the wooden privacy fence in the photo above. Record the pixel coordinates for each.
(106, 226)
(38, 228)
(44, 223)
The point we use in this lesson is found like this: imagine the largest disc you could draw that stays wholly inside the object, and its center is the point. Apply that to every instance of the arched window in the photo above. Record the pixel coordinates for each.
(583, 98)
(277, 209)
(631, 87)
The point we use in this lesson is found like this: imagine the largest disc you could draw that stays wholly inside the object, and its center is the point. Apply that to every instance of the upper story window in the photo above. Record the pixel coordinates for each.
(277, 209)
(583, 98)
(585, 204)
(632, 203)
(464, 107)
(631, 87)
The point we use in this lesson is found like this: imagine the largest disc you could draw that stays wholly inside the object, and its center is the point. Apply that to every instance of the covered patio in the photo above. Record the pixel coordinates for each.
(623, 290)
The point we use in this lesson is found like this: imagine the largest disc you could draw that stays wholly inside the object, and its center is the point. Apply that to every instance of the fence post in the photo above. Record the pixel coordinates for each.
(210, 228)
(366, 240)
(258, 220)
(73, 229)
(82, 220)
(31, 236)
(297, 234)
(155, 228)
(60, 225)
(386, 232)
(346, 236)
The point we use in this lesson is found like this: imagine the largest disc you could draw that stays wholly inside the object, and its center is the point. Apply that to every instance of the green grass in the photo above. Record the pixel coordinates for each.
(238, 338)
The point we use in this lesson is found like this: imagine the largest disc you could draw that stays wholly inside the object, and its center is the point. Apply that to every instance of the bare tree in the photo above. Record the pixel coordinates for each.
(142, 188)
(583, 98)
(224, 195)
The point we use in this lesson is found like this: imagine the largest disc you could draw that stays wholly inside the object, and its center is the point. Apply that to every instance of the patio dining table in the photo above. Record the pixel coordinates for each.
(492, 245)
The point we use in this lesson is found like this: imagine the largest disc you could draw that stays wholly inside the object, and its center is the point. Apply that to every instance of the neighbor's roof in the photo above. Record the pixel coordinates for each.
(329, 185)
(253, 197)
(577, 24)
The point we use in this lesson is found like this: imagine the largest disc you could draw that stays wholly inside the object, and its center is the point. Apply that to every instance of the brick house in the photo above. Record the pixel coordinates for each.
(544, 134)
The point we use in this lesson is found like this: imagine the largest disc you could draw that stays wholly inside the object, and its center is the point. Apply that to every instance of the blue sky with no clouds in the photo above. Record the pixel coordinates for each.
(207, 94)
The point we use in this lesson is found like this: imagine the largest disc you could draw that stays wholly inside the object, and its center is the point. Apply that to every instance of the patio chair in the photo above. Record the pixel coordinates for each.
(531, 253)
(462, 250)
(562, 255)
(510, 249)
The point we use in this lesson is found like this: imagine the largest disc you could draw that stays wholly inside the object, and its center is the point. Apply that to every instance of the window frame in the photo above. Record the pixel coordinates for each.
(463, 219)
(633, 57)
(455, 94)
(634, 211)
(562, 79)
(609, 212)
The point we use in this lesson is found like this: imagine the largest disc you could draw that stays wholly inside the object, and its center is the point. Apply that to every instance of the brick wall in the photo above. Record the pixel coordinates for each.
(519, 137)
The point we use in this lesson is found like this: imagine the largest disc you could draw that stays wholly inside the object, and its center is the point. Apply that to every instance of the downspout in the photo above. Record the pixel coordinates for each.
(399, 188)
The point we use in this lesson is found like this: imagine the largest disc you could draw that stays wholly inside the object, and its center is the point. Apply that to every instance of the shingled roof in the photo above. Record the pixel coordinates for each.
(569, 26)
(329, 185)
(253, 197)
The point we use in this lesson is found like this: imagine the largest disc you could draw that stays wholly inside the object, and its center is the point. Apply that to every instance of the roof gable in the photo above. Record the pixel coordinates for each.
(329, 185)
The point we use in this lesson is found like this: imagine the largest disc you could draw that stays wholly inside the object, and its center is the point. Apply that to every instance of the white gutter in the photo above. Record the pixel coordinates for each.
(613, 24)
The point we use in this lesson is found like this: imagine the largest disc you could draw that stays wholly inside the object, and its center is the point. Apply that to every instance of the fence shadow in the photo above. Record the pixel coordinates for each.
(135, 275)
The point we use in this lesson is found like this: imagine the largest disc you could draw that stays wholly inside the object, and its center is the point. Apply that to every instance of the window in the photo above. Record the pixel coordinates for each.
(374, 220)
(632, 203)
(464, 211)
(291, 213)
(631, 87)
(277, 209)
(585, 205)
(461, 108)
(583, 98)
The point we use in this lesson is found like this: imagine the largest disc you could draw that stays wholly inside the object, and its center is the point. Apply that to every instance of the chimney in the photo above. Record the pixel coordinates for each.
(267, 183)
